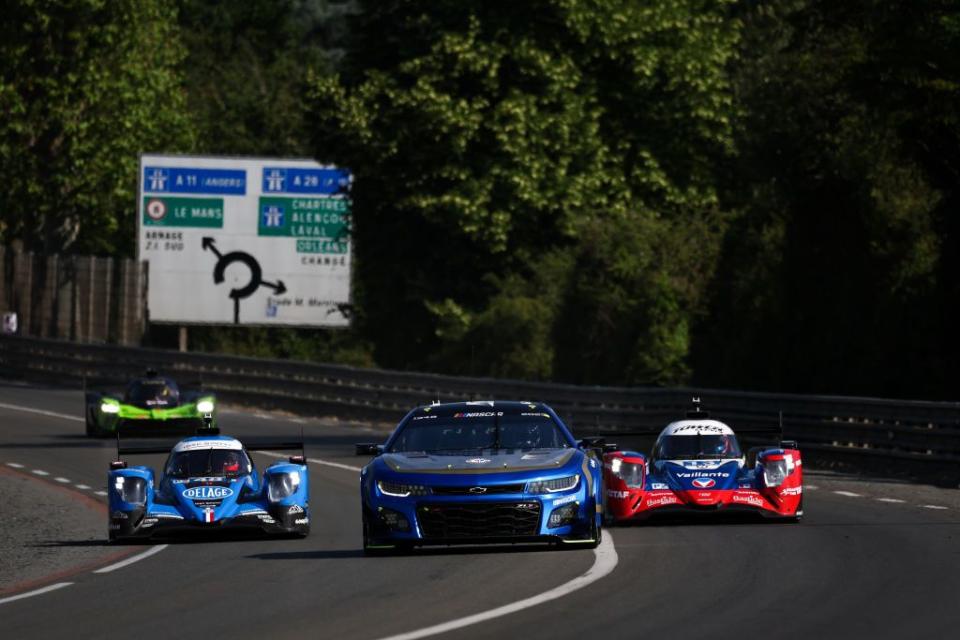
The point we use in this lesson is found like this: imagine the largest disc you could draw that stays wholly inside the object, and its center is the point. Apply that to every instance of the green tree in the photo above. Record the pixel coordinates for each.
(246, 68)
(836, 274)
(85, 87)
(512, 160)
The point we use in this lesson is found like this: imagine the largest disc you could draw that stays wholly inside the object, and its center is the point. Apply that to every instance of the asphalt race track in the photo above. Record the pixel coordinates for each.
(870, 559)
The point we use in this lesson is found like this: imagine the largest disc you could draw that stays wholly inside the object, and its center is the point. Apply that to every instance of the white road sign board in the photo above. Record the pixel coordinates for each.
(254, 241)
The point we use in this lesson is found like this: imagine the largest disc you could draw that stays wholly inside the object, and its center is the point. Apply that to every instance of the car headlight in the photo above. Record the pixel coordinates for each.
(132, 490)
(282, 485)
(774, 472)
(630, 472)
(109, 407)
(400, 490)
(205, 406)
(553, 486)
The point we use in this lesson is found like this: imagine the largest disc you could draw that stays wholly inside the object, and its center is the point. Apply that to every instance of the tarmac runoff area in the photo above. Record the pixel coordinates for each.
(46, 531)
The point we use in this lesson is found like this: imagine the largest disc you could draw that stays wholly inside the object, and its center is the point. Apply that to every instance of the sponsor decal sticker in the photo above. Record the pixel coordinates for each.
(424, 417)
(478, 460)
(266, 518)
(704, 483)
(295, 509)
(658, 486)
(564, 500)
(618, 494)
(661, 500)
(477, 414)
(208, 493)
(791, 491)
(751, 499)
(302, 521)
(699, 428)
(710, 474)
(208, 515)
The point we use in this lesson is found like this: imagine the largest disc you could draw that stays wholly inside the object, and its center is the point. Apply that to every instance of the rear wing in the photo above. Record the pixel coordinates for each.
(209, 429)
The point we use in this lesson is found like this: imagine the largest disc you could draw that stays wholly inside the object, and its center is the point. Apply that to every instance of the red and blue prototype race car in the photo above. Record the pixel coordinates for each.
(697, 466)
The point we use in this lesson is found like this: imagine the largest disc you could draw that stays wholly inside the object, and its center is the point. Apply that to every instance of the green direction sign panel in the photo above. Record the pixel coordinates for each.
(320, 222)
(182, 212)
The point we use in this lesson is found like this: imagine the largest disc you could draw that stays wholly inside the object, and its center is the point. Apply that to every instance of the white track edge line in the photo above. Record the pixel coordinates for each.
(15, 465)
(849, 494)
(605, 560)
(129, 561)
(36, 592)
(52, 414)
(934, 506)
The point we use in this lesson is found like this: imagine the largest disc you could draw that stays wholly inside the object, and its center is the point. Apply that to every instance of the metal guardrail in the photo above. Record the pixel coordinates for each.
(897, 435)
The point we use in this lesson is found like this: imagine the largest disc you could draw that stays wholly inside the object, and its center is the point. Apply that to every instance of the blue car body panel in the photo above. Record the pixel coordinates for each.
(486, 495)
(208, 502)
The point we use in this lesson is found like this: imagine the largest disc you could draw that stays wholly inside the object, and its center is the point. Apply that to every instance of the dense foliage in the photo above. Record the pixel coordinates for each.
(85, 87)
(739, 194)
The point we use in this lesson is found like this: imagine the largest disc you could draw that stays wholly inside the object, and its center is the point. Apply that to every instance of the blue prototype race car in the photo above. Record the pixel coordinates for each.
(478, 472)
(208, 483)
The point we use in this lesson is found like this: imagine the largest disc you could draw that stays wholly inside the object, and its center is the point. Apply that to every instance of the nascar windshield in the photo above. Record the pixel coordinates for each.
(696, 447)
(477, 429)
(199, 463)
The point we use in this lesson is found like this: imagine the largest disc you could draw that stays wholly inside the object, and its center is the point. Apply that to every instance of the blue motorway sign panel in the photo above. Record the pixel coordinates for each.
(326, 181)
(227, 182)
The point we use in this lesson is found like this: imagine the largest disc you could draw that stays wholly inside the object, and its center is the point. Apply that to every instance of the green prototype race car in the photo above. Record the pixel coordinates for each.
(149, 405)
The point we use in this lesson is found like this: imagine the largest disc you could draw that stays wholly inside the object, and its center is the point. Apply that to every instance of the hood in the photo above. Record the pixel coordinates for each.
(487, 461)
(701, 475)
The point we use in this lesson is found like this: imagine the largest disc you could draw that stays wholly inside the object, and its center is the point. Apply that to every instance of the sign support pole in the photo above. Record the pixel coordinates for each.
(183, 339)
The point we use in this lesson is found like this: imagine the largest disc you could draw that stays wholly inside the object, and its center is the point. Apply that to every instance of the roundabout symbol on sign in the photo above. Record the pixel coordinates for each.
(256, 275)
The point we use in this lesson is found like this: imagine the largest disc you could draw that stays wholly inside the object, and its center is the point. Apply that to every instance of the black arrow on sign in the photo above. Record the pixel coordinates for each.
(208, 243)
(278, 288)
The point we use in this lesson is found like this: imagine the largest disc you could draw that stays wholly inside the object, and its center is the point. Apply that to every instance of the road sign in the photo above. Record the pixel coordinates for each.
(245, 240)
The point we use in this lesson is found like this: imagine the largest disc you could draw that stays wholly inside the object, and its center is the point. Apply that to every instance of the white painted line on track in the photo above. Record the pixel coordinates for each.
(15, 465)
(136, 558)
(934, 506)
(52, 414)
(81, 486)
(325, 463)
(100, 493)
(812, 487)
(40, 472)
(62, 480)
(849, 494)
(36, 592)
(891, 500)
(605, 560)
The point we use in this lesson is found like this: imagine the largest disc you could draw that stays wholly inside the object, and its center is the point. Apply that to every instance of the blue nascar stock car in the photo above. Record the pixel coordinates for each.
(480, 472)
(209, 482)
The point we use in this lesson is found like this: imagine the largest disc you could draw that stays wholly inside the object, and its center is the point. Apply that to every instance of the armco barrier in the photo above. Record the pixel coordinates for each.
(916, 437)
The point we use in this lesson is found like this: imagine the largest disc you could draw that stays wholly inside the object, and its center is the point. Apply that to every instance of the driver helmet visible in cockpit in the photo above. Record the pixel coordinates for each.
(725, 446)
(231, 463)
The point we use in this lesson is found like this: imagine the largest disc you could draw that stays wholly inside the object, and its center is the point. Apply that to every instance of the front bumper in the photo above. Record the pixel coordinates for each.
(140, 524)
(445, 520)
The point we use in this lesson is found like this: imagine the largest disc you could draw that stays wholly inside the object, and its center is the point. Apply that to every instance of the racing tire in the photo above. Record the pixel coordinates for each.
(368, 549)
(92, 430)
(799, 515)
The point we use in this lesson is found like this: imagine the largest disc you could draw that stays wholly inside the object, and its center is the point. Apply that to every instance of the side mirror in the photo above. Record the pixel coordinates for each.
(298, 460)
(118, 464)
(368, 449)
(610, 447)
(789, 444)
